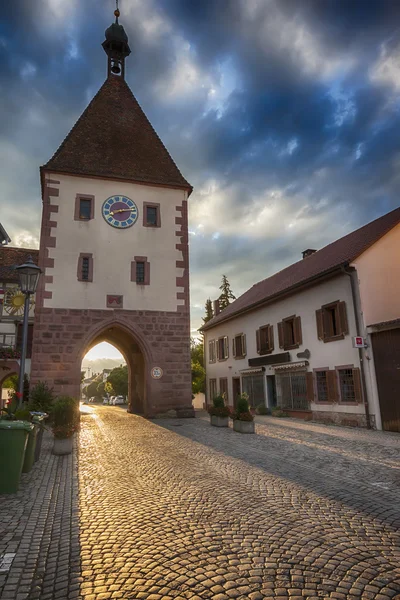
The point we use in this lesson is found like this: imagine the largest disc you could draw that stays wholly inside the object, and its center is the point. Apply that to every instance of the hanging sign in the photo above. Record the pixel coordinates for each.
(358, 342)
(156, 372)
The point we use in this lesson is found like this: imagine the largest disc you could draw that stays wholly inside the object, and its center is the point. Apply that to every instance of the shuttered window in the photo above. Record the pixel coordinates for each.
(349, 385)
(322, 386)
(265, 339)
(332, 322)
(211, 351)
(289, 333)
(213, 389)
(239, 346)
(222, 348)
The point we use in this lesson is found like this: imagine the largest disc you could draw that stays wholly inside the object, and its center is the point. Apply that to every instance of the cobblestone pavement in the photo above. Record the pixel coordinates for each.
(178, 509)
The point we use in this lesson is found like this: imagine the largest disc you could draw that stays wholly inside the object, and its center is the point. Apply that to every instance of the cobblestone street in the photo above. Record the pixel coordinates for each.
(178, 509)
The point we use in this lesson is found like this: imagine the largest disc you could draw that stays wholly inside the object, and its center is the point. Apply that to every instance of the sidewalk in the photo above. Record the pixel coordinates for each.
(39, 525)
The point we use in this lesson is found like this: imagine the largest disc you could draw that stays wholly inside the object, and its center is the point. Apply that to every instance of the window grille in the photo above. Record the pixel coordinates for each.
(292, 391)
(322, 386)
(85, 268)
(346, 382)
(140, 272)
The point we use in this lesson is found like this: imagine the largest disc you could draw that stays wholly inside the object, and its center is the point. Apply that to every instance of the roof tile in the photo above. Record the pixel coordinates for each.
(12, 257)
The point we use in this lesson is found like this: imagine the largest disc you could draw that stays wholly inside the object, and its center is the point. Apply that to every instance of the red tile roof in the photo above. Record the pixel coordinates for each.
(330, 258)
(11, 258)
(113, 138)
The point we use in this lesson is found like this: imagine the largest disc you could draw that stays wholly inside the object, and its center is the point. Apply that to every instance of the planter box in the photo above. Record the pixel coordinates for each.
(219, 421)
(243, 426)
(63, 446)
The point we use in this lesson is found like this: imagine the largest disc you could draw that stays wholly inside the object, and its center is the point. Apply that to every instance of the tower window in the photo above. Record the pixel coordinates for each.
(84, 207)
(140, 270)
(151, 215)
(85, 267)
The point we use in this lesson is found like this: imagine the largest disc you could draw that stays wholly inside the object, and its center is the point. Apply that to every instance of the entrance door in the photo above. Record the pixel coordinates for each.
(235, 389)
(271, 391)
(386, 346)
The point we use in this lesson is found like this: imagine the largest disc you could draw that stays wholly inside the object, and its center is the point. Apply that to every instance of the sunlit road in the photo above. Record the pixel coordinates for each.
(177, 509)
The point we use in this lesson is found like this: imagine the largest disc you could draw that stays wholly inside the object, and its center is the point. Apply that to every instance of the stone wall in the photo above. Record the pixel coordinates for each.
(341, 418)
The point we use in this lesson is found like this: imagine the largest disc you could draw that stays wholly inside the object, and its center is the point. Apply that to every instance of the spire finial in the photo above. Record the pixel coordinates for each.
(116, 12)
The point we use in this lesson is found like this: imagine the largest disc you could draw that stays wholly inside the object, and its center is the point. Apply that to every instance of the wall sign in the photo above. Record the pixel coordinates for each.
(156, 372)
(358, 342)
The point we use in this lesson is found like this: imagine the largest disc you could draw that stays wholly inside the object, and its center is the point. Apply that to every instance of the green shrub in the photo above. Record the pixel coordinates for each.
(218, 401)
(41, 398)
(262, 409)
(242, 412)
(65, 417)
(219, 409)
(278, 412)
(22, 414)
(242, 404)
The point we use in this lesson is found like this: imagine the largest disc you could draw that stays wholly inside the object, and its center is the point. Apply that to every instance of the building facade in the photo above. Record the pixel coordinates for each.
(114, 251)
(291, 340)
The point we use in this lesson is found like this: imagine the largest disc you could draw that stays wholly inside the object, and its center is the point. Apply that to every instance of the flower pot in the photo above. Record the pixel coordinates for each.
(63, 446)
(219, 421)
(243, 426)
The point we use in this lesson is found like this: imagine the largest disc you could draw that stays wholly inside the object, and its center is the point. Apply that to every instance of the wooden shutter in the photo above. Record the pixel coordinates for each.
(320, 324)
(270, 338)
(226, 347)
(344, 327)
(331, 384)
(298, 338)
(244, 349)
(234, 347)
(357, 384)
(217, 349)
(281, 335)
(258, 340)
(310, 387)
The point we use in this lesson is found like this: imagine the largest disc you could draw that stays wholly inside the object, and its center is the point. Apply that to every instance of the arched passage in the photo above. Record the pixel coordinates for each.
(124, 341)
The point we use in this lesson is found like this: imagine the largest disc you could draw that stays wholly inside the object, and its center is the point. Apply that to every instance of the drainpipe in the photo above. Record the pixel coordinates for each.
(352, 273)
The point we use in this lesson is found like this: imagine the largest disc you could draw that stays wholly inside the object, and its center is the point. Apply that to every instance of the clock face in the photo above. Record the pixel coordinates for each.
(14, 301)
(120, 212)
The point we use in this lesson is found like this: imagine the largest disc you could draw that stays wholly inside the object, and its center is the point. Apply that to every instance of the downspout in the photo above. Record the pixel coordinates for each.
(352, 273)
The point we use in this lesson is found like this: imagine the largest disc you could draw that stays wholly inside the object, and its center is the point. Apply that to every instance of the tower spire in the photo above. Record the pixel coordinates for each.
(116, 47)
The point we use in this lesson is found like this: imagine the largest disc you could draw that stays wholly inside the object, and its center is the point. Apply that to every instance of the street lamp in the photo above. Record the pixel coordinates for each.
(28, 274)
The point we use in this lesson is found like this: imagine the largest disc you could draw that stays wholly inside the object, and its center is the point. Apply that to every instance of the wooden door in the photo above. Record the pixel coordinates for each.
(386, 346)
(235, 389)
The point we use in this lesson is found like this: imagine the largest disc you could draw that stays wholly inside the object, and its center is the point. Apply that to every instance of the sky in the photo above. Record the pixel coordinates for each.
(283, 114)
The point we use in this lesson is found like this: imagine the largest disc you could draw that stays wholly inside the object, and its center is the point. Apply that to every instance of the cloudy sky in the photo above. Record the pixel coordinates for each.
(283, 114)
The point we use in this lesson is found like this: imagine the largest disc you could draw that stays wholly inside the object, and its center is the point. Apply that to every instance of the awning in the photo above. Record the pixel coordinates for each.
(294, 366)
(252, 371)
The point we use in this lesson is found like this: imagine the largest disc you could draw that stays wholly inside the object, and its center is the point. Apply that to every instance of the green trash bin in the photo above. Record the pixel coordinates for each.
(38, 419)
(30, 449)
(13, 442)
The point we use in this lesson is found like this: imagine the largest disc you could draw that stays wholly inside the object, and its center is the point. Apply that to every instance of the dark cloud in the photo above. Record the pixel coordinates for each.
(283, 114)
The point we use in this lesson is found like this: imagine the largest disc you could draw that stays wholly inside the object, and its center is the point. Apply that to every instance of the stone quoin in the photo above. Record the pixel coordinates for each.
(114, 251)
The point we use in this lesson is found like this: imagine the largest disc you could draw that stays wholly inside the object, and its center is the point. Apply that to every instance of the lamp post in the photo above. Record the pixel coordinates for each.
(28, 274)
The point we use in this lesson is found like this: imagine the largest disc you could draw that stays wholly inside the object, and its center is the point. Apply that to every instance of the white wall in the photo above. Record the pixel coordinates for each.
(303, 304)
(114, 249)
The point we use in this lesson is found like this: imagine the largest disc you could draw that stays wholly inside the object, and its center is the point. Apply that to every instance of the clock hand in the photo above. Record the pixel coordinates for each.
(121, 210)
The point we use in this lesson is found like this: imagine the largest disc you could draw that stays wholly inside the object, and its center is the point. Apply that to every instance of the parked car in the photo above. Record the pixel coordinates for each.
(105, 400)
(111, 400)
(119, 400)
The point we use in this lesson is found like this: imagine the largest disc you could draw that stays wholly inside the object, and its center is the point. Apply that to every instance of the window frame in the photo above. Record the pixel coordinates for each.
(242, 337)
(269, 332)
(155, 205)
(140, 259)
(297, 332)
(225, 340)
(315, 379)
(77, 214)
(82, 256)
(212, 356)
(340, 317)
(212, 382)
(356, 384)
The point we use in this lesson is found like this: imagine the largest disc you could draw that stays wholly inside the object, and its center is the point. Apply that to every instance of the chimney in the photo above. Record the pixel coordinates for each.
(216, 307)
(308, 252)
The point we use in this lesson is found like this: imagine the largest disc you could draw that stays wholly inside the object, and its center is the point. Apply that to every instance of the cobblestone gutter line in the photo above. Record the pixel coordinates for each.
(35, 523)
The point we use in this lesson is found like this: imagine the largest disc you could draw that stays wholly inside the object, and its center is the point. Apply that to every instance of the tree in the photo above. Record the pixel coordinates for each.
(226, 293)
(197, 363)
(101, 389)
(118, 378)
(91, 390)
(209, 311)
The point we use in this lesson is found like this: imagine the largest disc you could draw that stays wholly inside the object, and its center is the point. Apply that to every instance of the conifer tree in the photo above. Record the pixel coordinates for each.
(226, 293)
(209, 311)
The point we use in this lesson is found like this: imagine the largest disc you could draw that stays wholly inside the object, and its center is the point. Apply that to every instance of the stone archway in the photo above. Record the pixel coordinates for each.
(125, 342)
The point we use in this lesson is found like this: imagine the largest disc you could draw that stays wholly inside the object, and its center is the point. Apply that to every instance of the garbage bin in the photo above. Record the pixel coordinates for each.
(30, 449)
(13, 441)
(38, 419)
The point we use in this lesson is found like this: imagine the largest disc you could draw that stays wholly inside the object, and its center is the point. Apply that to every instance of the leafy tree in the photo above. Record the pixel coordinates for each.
(91, 390)
(101, 389)
(197, 351)
(109, 388)
(226, 293)
(198, 370)
(82, 376)
(118, 378)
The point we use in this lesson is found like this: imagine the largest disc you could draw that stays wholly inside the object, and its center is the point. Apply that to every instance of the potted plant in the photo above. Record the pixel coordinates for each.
(243, 420)
(65, 422)
(219, 412)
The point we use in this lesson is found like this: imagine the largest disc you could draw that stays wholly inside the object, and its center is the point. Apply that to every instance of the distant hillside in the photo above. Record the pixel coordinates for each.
(97, 366)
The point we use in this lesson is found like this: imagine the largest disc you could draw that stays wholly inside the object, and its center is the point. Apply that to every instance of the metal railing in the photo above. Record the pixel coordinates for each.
(8, 340)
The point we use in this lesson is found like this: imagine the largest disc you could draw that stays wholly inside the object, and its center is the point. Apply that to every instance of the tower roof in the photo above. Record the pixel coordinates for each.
(113, 138)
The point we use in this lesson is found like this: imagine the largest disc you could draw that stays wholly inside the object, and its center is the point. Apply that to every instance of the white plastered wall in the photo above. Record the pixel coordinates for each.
(113, 250)
(303, 304)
